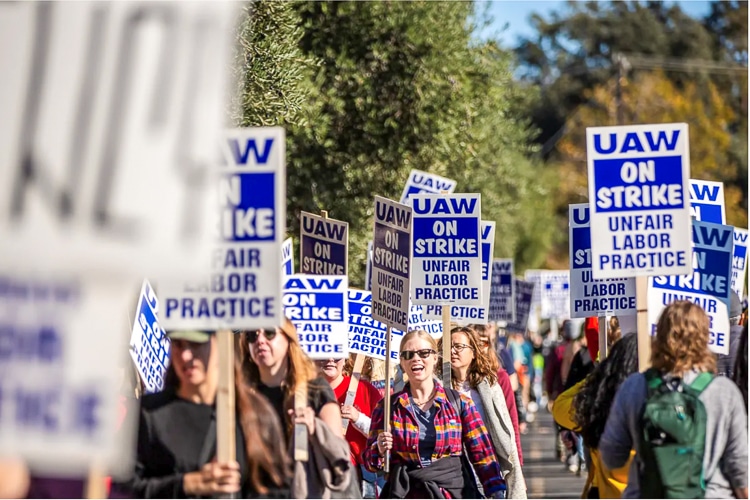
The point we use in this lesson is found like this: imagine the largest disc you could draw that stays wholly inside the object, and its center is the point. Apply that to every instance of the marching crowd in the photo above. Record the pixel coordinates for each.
(677, 430)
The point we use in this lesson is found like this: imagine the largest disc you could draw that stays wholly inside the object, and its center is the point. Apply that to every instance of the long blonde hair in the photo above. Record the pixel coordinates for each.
(301, 369)
(681, 342)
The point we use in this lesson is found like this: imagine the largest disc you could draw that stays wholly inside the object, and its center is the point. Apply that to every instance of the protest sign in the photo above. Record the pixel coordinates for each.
(287, 257)
(422, 182)
(109, 131)
(368, 267)
(708, 285)
(323, 245)
(555, 294)
(447, 259)
(391, 265)
(640, 210)
(524, 291)
(149, 345)
(243, 290)
(60, 375)
(739, 261)
(317, 305)
(590, 296)
(466, 315)
(502, 291)
(707, 201)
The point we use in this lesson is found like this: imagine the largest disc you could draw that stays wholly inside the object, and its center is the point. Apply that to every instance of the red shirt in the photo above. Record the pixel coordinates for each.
(365, 399)
(503, 380)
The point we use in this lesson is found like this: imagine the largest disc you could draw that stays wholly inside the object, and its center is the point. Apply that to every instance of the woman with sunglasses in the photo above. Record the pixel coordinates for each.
(474, 376)
(177, 433)
(274, 363)
(428, 434)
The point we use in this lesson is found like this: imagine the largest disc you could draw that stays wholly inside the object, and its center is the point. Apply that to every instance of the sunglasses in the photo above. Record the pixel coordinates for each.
(251, 337)
(460, 347)
(423, 353)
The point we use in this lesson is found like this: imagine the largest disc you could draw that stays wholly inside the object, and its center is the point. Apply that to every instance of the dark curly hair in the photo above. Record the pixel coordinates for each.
(592, 403)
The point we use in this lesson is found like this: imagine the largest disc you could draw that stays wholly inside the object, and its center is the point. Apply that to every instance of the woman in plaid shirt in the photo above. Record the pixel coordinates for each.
(429, 434)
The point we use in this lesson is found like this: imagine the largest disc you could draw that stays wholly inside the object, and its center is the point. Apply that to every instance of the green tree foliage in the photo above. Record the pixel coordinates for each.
(400, 85)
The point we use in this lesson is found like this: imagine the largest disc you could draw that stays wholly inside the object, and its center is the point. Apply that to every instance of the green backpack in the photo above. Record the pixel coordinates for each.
(674, 438)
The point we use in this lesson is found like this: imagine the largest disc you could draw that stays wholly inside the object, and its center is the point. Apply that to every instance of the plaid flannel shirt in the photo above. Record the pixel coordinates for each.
(450, 432)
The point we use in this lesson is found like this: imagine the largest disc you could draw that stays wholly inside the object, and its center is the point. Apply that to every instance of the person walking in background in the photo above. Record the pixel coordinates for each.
(358, 414)
(473, 376)
(584, 408)
(740, 367)
(177, 433)
(680, 354)
(428, 434)
(725, 362)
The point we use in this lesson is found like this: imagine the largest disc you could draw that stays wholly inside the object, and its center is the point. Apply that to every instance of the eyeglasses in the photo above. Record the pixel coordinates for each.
(460, 347)
(251, 337)
(423, 353)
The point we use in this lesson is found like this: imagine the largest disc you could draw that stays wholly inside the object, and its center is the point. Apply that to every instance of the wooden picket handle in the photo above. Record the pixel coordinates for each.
(301, 453)
(387, 396)
(446, 346)
(95, 487)
(644, 336)
(603, 347)
(359, 363)
(225, 399)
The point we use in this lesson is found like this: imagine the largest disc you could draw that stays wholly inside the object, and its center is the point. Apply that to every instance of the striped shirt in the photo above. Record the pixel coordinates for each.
(451, 431)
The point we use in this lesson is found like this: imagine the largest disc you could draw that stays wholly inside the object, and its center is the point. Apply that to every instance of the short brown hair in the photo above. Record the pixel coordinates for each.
(681, 341)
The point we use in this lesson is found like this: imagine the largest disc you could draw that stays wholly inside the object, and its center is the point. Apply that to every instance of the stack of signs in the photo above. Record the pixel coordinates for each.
(104, 152)
(317, 305)
(391, 265)
(367, 335)
(502, 291)
(323, 245)
(149, 345)
(422, 182)
(640, 216)
(524, 291)
(466, 315)
(287, 257)
(707, 201)
(243, 290)
(708, 285)
(589, 296)
(555, 294)
(447, 256)
(739, 261)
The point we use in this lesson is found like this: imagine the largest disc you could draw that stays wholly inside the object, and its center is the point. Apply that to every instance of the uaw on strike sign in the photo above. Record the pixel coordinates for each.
(423, 182)
(323, 245)
(447, 254)
(590, 296)
(243, 289)
(639, 200)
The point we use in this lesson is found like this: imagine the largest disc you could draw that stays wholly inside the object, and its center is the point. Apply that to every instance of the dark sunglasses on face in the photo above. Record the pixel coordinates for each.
(423, 353)
(251, 337)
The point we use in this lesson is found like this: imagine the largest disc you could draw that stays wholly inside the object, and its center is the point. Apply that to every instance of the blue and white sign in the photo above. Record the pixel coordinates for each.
(524, 291)
(60, 360)
(640, 211)
(317, 305)
(707, 201)
(422, 182)
(368, 267)
(244, 288)
(323, 245)
(391, 263)
(149, 345)
(502, 291)
(287, 257)
(447, 250)
(555, 294)
(467, 315)
(739, 261)
(589, 296)
(708, 285)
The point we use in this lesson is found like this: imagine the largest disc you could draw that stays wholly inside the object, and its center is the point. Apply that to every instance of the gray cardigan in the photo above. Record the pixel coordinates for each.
(500, 427)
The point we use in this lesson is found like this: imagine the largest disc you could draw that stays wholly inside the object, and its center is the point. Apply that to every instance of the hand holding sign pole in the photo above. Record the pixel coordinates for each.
(391, 278)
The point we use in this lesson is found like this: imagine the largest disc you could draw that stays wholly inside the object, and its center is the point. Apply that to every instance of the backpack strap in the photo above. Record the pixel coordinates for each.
(454, 398)
(653, 379)
(702, 381)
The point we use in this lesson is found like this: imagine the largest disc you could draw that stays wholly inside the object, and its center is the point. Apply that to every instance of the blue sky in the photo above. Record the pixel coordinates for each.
(516, 14)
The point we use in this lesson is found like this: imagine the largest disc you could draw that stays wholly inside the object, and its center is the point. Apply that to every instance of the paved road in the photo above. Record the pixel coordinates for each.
(546, 476)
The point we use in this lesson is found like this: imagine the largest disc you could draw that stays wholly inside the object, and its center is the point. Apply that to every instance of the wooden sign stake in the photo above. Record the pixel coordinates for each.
(446, 346)
(644, 336)
(225, 402)
(359, 363)
(387, 395)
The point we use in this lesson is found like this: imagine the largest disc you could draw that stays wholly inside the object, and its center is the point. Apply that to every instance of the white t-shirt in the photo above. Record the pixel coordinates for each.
(466, 390)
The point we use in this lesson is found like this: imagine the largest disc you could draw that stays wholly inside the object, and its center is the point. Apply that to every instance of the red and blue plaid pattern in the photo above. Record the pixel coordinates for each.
(449, 428)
